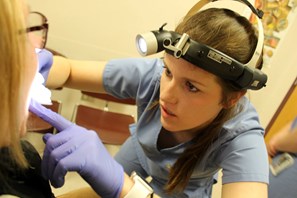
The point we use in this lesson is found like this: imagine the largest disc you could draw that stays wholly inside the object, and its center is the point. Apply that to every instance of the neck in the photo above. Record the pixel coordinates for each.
(169, 139)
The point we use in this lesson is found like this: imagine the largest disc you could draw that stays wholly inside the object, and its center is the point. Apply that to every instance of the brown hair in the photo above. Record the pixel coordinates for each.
(233, 35)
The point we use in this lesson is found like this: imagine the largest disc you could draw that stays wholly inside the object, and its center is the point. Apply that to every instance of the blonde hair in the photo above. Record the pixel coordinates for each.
(13, 54)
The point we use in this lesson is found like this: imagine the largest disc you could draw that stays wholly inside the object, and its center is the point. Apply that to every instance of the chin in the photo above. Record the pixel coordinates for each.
(169, 127)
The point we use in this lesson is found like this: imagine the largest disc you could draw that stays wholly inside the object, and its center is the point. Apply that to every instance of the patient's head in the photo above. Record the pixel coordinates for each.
(17, 67)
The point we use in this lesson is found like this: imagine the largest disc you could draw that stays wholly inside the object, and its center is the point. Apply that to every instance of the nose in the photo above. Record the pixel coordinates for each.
(169, 92)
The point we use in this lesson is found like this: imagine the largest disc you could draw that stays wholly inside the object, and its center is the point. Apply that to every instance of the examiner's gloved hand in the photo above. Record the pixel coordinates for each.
(77, 149)
(45, 62)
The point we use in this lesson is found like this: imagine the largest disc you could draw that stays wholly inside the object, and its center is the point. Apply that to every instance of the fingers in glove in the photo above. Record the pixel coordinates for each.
(53, 118)
(51, 155)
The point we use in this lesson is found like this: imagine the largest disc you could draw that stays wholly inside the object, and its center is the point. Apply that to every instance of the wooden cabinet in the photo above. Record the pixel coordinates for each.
(285, 113)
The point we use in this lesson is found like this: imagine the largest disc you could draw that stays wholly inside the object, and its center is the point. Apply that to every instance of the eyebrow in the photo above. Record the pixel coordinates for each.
(185, 78)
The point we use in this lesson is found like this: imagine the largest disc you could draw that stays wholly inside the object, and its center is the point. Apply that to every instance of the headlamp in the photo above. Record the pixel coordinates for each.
(152, 42)
(243, 76)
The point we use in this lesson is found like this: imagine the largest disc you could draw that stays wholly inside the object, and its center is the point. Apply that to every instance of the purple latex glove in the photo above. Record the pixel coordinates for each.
(77, 149)
(45, 61)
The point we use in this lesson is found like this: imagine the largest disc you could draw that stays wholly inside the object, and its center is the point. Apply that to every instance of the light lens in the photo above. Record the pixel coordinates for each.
(146, 44)
(141, 45)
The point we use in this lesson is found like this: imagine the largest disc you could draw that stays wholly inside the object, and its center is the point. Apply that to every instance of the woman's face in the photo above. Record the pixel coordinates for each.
(189, 96)
(30, 69)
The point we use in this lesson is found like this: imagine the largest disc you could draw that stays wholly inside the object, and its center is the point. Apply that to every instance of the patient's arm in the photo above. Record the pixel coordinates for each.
(82, 75)
(285, 140)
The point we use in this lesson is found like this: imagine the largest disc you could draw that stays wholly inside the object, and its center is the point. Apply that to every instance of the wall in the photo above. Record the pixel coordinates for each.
(100, 30)
(281, 75)
(97, 29)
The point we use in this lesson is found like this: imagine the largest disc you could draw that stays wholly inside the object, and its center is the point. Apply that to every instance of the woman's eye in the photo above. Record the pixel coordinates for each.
(191, 87)
(167, 72)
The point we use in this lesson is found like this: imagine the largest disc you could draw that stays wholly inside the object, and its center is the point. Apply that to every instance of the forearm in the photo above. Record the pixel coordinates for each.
(288, 143)
(286, 139)
(244, 190)
(59, 73)
(82, 75)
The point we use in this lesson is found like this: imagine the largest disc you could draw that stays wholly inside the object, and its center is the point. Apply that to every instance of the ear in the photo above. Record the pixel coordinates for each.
(234, 99)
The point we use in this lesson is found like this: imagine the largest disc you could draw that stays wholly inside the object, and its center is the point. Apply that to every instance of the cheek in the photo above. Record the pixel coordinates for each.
(30, 72)
(32, 62)
(28, 76)
(164, 86)
(161, 82)
(200, 110)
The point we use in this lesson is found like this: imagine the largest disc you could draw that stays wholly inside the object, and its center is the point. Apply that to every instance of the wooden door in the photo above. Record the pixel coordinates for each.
(285, 113)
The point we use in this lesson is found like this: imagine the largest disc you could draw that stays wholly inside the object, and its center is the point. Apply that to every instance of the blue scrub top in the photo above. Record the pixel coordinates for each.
(239, 151)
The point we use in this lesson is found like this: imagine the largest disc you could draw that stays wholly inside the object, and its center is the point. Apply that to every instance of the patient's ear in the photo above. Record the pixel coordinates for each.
(234, 99)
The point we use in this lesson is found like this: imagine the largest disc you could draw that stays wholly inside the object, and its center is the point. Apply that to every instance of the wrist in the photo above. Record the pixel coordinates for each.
(135, 187)
(128, 184)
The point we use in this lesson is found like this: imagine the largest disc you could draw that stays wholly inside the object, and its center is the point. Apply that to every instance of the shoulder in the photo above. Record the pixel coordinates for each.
(246, 120)
(242, 131)
(241, 152)
(244, 158)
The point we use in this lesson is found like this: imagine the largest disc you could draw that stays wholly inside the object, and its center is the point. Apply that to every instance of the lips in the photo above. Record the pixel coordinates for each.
(167, 111)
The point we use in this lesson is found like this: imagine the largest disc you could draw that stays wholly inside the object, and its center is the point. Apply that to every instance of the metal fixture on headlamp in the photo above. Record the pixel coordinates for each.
(180, 48)
(243, 76)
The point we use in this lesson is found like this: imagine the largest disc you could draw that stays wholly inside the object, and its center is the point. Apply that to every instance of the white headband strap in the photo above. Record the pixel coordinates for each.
(242, 9)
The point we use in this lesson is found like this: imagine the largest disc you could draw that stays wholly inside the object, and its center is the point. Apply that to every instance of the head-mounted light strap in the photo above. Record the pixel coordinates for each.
(216, 62)
(196, 8)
